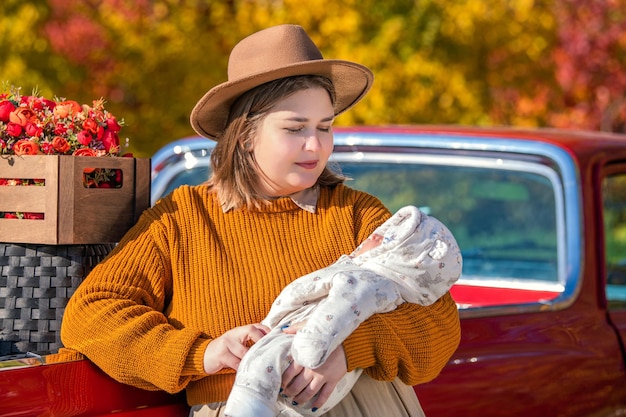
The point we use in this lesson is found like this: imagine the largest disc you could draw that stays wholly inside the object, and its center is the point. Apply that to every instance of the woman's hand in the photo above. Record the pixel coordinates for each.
(227, 350)
(301, 384)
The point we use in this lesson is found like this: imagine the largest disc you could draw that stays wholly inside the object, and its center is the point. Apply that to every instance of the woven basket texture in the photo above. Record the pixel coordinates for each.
(36, 282)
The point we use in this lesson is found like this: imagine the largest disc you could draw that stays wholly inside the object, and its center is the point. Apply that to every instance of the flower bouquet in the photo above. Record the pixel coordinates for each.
(43, 143)
(34, 125)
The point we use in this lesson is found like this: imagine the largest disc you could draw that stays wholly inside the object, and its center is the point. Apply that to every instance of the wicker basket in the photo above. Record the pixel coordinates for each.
(36, 282)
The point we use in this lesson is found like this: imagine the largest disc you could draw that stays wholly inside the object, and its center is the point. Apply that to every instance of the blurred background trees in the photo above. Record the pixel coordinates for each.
(557, 63)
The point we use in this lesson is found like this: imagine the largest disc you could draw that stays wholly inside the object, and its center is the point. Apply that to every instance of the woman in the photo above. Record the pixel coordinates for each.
(179, 301)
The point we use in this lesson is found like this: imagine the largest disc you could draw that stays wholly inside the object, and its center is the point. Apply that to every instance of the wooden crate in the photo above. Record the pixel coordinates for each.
(73, 214)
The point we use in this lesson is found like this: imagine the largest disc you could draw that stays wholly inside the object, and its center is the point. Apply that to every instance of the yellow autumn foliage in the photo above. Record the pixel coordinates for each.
(435, 61)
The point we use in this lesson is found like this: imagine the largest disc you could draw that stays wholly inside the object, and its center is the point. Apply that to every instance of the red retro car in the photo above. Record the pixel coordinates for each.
(540, 216)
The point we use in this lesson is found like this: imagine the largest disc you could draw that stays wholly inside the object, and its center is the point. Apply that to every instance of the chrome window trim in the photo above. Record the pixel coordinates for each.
(510, 149)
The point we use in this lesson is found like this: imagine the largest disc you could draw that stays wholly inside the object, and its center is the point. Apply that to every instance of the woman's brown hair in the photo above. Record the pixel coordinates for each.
(235, 173)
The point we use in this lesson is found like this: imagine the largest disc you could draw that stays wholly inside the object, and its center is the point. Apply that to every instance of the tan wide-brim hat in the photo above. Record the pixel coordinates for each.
(273, 53)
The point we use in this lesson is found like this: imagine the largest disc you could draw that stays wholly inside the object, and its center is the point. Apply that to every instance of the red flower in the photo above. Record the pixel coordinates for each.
(111, 141)
(14, 129)
(47, 148)
(39, 104)
(84, 137)
(25, 147)
(113, 125)
(60, 129)
(33, 130)
(6, 107)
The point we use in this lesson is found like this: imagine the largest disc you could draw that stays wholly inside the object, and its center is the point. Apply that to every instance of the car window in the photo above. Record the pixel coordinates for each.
(192, 176)
(504, 216)
(508, 216)
(614, 211)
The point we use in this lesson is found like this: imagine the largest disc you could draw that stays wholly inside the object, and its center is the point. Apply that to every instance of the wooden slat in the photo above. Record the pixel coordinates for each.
(20, 231)
(23, 198)
(142, 187)
(28, 166)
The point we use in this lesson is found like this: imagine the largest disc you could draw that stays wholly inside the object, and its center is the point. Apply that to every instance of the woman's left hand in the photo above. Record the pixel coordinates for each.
(302, 384)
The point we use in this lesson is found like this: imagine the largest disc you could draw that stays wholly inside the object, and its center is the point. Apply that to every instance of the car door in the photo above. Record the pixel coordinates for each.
(613, 180)
(528, 319)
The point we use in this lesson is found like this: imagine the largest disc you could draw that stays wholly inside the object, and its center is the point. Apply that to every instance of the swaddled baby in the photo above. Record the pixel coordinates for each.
(412, 257)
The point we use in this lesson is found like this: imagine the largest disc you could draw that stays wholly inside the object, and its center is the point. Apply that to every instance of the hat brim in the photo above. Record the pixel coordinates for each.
(351, 81)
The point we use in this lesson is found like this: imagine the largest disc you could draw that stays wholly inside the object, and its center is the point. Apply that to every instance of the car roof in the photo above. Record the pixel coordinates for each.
(587, 148)
(578, 142)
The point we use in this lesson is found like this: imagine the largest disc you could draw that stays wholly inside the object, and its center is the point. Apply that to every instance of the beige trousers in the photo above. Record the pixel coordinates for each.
(368, 398)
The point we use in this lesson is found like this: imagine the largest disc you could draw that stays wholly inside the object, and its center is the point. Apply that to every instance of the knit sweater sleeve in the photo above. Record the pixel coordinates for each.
(116, 319)
(413, 342)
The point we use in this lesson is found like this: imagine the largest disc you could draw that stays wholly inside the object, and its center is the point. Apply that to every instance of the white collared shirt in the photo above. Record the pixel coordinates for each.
(305, 199)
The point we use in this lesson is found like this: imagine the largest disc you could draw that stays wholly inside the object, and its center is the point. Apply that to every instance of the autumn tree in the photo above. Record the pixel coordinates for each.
(523, 63)
(151, 60)
(590, 63)
(26, 60)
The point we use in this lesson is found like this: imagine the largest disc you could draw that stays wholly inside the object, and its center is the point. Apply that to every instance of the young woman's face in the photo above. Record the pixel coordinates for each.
(294, 142)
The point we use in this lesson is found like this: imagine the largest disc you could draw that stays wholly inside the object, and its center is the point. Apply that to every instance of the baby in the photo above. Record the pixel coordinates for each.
(411, 258)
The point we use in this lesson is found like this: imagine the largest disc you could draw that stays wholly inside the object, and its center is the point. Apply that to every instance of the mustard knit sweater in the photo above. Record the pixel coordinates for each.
(187, 272)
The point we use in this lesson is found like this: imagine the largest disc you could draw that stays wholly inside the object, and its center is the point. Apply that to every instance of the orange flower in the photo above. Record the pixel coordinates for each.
(85, 152)
(21, 116)
(91, 126)
(60, 144)
(25, 147)
(67, 108)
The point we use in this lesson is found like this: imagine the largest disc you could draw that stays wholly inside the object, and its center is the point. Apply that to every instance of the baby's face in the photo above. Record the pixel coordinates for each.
(370, 243)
